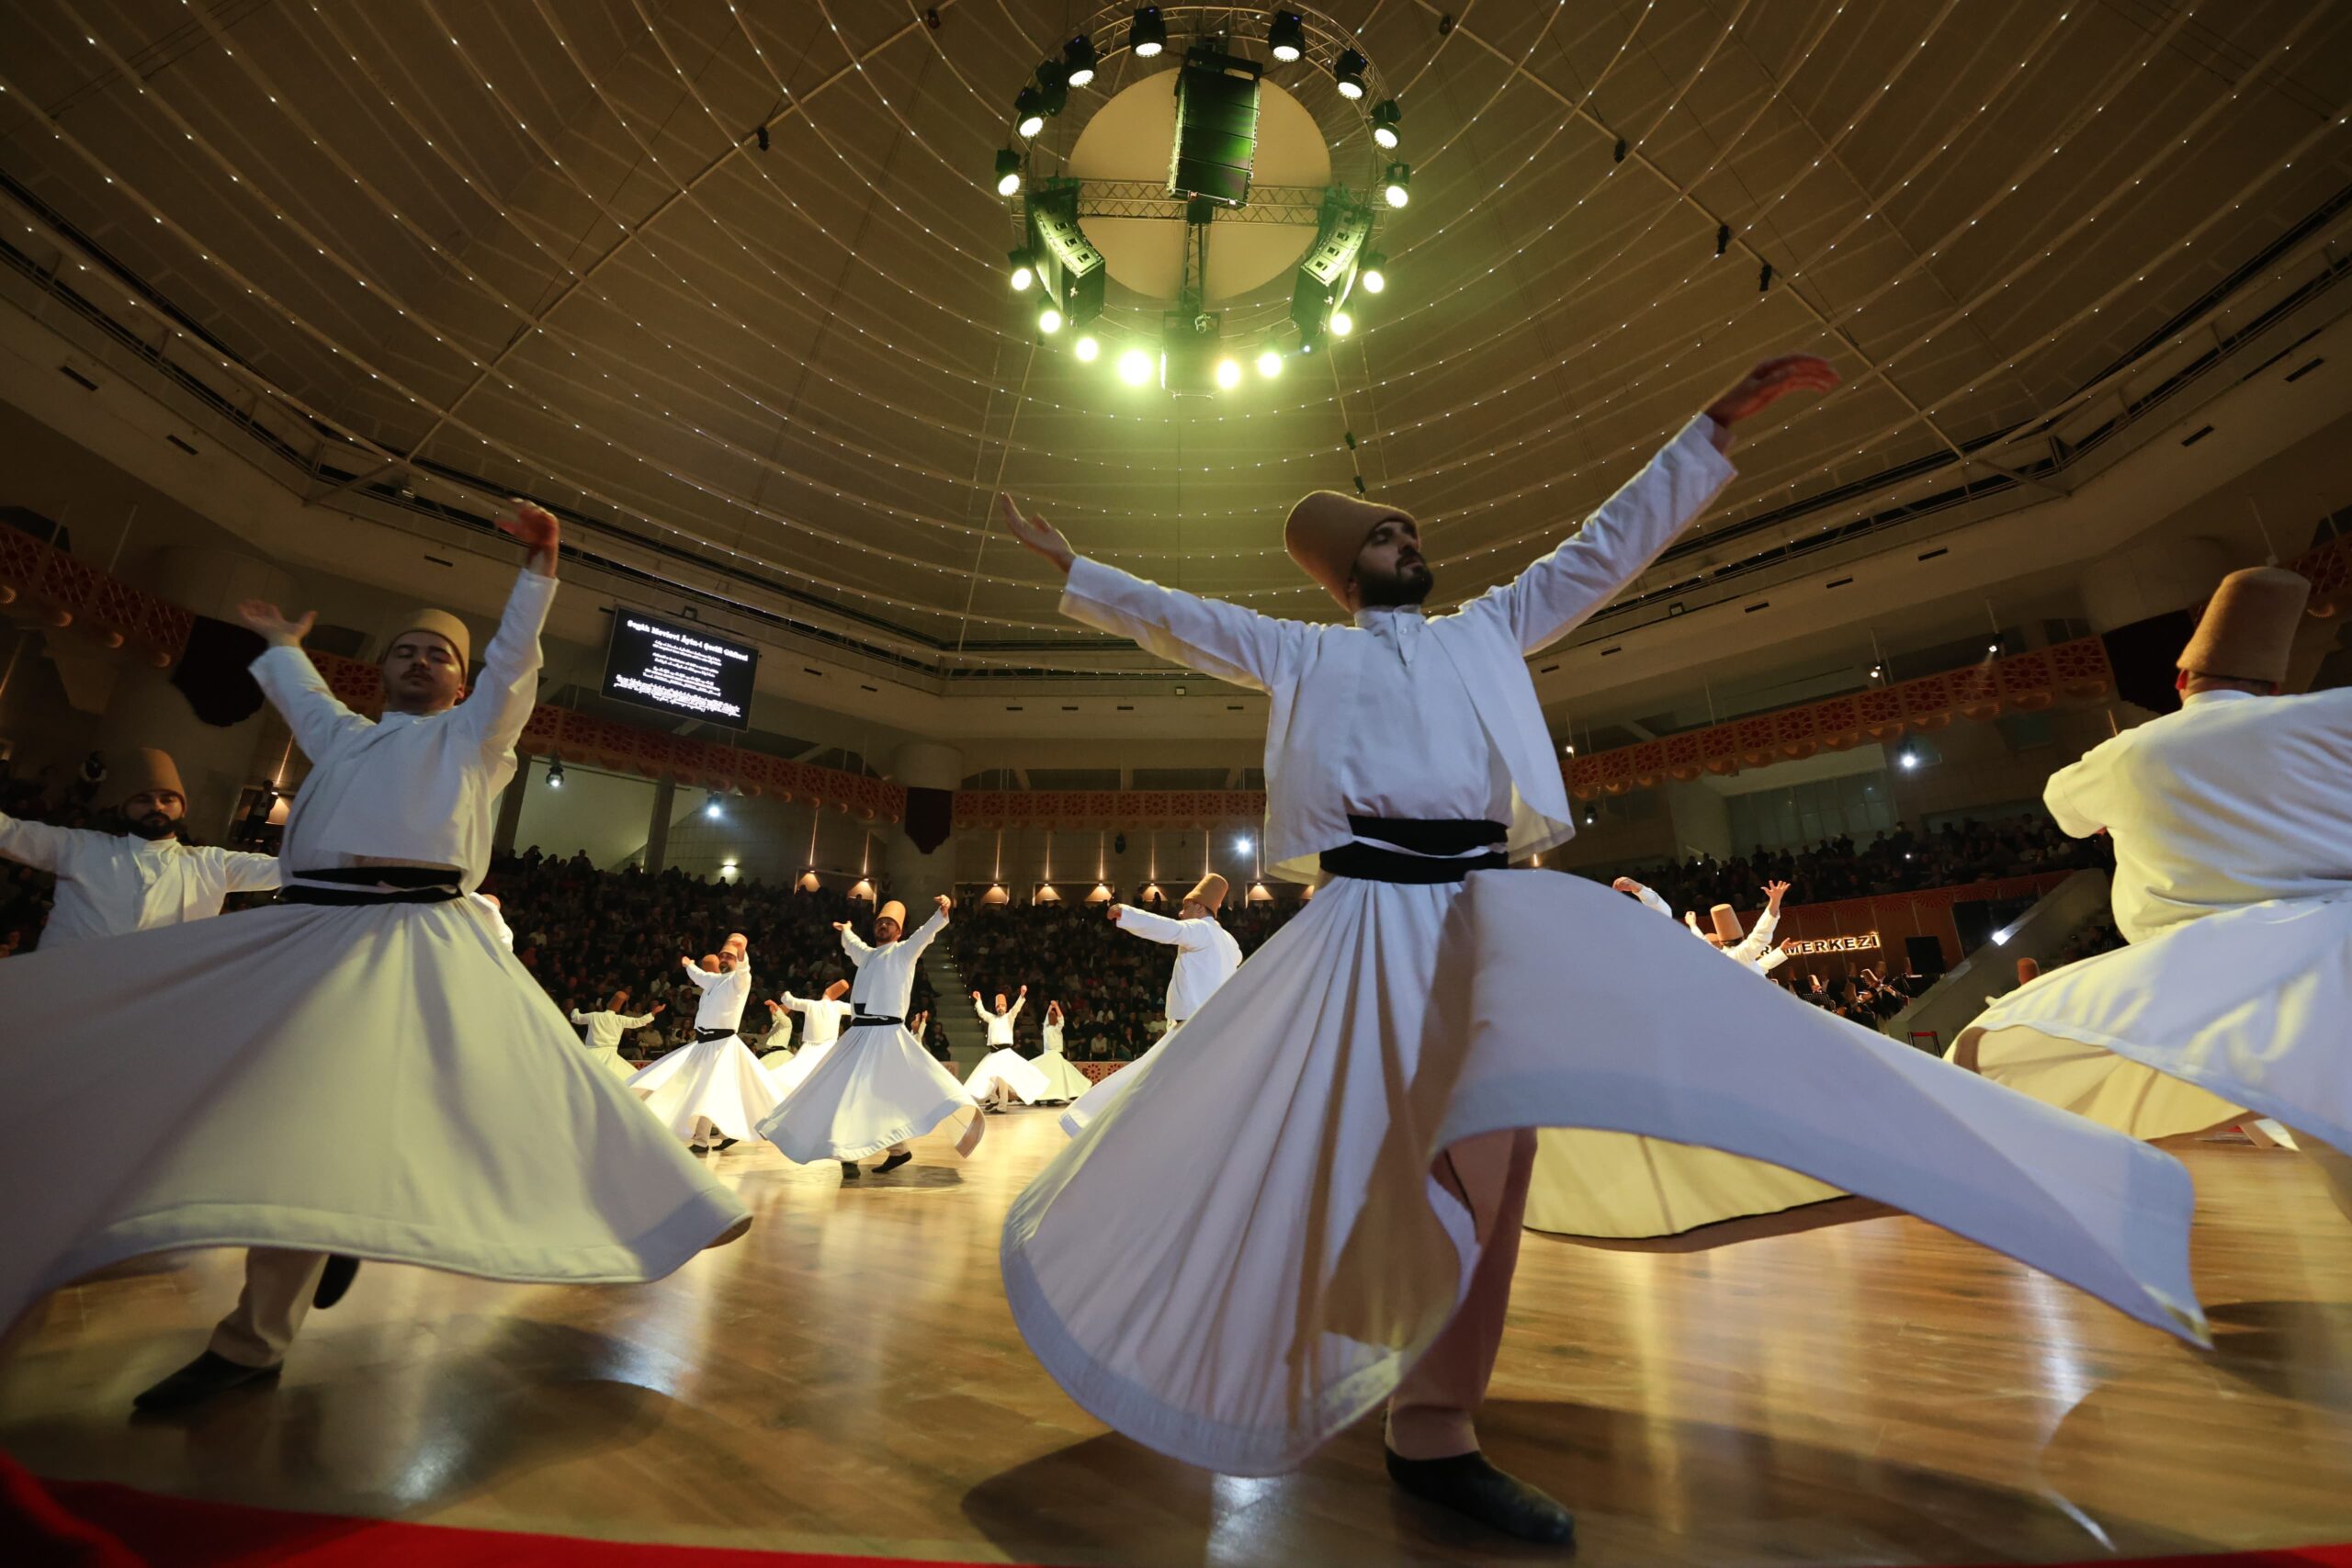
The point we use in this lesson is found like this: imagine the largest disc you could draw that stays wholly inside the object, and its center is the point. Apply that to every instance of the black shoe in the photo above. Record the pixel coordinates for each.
(893, 1163)
(698, 1150)
(850, 1171)
(199, 1381)
(334, 1280)
(722, 1145)
(1468, 1485)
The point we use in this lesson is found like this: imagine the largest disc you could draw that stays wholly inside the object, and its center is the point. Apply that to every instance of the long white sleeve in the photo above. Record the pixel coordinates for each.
(1627, 532)
(1650, 900)
(1217, 639)
(704, 979)
(500, 702)
(1159, 927)
(245, 871)
(38, 844)
(299, 693)
(1014, 1010)
(927, 930)
(856, 947)
(1753, 947)
(981, 1008)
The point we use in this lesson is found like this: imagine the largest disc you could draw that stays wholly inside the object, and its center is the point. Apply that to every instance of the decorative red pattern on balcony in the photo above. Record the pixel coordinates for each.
(1105, 809)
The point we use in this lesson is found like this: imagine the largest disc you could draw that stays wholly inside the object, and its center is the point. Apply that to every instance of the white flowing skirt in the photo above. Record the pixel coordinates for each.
(876, 1087)
(2246, 1011)
(1018, 1073)
(1063, 1082)
(610, 1058)
(1100, 1098)
(708, 1084)
(787, 1072)
(1616, 1185)
(1234, 1261)
(383, 1081)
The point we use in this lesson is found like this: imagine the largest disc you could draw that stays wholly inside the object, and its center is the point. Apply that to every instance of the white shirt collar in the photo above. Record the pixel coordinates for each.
(2218, 695)
(1399, 626)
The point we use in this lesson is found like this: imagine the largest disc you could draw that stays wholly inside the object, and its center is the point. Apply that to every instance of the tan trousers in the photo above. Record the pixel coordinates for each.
(278, 1286)
(1432, 1414)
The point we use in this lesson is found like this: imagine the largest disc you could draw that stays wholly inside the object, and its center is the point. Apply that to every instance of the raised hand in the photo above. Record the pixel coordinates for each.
(1024, 990)
(944, 901)
(1775, 892)
(1040, 536)
(1769, 382)
(776, 1008)
(976, 996)
(841, 925)
(537, 527)
(661, 1006)
(1625, 884)
(264, 617)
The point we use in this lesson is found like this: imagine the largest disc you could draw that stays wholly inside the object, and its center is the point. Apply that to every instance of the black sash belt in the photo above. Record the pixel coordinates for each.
(1424, 838)
(375, 885)
(861, 1019)
(703, 1034)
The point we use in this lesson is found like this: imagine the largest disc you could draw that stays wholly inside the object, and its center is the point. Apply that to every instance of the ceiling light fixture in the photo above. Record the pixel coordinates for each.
(1008, 171)
(1286, 36)
(1347, 73)
(1077, 61)
(1385, 117)
(1147, 32)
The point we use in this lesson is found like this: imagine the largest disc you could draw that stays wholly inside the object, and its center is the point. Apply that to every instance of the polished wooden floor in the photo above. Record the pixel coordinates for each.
(847, 1379)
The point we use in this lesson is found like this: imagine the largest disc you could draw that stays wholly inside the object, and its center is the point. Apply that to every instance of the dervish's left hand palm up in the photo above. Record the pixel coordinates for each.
(1769, 383)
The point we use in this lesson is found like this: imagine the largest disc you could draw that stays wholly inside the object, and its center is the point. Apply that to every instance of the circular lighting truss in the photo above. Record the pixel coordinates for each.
(1224, 59)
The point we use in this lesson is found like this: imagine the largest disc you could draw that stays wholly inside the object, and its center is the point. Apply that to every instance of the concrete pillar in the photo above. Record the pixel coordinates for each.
(510, 805)
(911, 875)
(146, 709)
(1702, 820)
(657, 829)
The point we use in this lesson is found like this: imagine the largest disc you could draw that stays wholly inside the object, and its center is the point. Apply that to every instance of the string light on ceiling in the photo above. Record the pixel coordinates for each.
(1219, 100)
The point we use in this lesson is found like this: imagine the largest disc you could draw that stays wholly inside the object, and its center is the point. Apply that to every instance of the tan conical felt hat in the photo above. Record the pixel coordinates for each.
(1210, 890)
(150, 771)
(2248, 627)
(1726, 922)
(893, 910)
(1326, 530)
(837, 990)
(441, 623)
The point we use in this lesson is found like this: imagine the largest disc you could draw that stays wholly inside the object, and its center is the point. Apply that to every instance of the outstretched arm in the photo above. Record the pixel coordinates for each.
(501, 703)
(1632, 527)
(1217, 639)
(703, 978)
(250, 872)
(1153, 927)
(1649, 898)
(934, 926)
(854, 944)
(1753, 946)
(292, 683)
(39, 845)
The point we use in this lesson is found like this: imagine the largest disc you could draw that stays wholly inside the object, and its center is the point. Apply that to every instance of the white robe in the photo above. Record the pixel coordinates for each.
(877, 1087)
(1247, 1251)
(2233, 826)
(111, 884)
(1206, 956)
(820, 1030)
(605, 1031)
(711, 1086)
(385, 1081)
(1003, 1064)
(1064, 1083)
